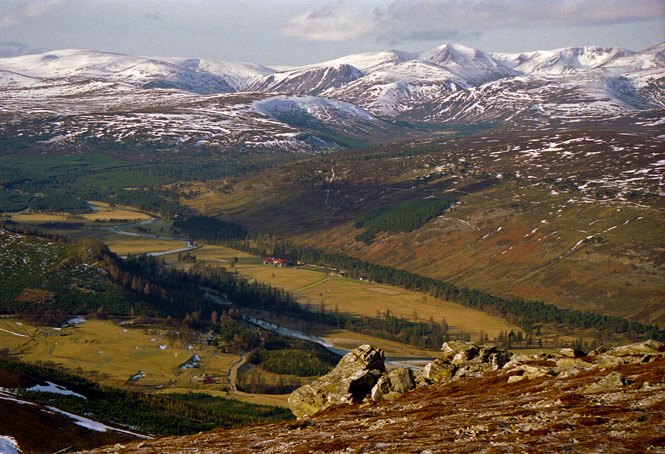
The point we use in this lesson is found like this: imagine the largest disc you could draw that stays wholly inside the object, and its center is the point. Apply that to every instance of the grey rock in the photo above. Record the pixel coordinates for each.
(438, 372)
(451, 349)
(499, 359)
(568, 362)
(641, 348)
(393, 384)
(517, 378)
(486, 351)
(536, 371)
(350, 381)
(608, 360)
(610, 382)
(473, 370)
(600, 350)
(572, 352)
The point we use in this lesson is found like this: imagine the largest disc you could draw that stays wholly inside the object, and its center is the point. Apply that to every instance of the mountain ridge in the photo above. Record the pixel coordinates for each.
(449, 85)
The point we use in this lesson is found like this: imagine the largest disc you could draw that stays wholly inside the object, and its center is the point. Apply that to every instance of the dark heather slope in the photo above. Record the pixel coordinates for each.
(471, 414)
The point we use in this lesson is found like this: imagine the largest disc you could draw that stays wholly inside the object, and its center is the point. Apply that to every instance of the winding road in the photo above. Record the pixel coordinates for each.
(118, 229)
(233, 373)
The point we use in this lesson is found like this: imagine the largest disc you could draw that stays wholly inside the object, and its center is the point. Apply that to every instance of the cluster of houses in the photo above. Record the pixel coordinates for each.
(205, 379)
(279, 262)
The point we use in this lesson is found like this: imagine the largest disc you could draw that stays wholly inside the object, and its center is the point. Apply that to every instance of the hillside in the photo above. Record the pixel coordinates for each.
(573, 218)
(618, 408)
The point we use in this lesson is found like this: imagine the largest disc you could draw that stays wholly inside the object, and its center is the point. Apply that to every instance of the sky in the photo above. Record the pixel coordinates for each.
(280, 32)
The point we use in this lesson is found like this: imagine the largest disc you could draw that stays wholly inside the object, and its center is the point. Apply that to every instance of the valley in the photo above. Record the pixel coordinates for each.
(199, 238)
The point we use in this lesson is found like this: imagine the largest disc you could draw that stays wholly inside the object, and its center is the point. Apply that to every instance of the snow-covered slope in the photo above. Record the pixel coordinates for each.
(327, 116)
(77, 65)
(239, 75)
(368, 62)
(76, 95)
(560, 61)
(399, 87)
(390, 82)
(323, 108)
(651, 58)
(472, 65)
(308, 80)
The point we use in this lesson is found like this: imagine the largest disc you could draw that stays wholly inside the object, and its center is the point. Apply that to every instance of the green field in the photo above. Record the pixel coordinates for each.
(113, 353)
(360, 298)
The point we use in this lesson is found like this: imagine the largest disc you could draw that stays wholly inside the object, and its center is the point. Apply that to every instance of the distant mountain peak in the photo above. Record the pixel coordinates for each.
(565, 60)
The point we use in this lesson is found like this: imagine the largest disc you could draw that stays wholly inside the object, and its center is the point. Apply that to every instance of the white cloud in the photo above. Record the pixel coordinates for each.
(328, 24)
(32, 9)
(422, 20)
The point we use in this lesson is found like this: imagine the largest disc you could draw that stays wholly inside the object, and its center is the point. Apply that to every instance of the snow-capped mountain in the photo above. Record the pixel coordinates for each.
(77, 65)
(369, 62)
(560, 61)
(77, 94)
(391, 82)
(399, 87)
(239, 75)
(308, 80)
(472, 65)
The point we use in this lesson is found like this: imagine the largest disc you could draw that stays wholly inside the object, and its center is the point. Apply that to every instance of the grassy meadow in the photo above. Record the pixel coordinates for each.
(112, 353)
(125, 244)
(355, 297)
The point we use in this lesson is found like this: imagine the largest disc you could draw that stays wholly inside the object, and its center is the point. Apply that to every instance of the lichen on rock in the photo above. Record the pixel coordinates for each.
(350, 381)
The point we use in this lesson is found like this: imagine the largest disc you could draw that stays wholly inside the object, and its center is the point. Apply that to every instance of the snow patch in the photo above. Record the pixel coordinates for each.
(94, 425)
(12, 332)
(313, 105)
(75, 321)
(54, 389)
(192, 362)
(9, 445)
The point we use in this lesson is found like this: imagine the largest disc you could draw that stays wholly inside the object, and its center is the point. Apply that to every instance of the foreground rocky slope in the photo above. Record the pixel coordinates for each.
(606, 401)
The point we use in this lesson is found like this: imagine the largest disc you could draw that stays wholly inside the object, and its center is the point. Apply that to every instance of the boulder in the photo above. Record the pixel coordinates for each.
(567, 371)
(572, 352)
(641, 348)
(571, 362)
(608, 360)
(611, 382)
(394, 383)
(471, 369)
(532, 372)
(499, 359)
(350, 381)
(600, 350)
(438, 372)
(516, 378)
(459, 349)
(486, 351)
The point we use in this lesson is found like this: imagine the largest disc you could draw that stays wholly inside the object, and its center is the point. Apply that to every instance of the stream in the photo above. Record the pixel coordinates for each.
(398, 361)
(394, 361)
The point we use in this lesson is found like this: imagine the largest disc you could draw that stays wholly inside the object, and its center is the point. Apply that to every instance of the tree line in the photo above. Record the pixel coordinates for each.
(401, 217)
(526, 314)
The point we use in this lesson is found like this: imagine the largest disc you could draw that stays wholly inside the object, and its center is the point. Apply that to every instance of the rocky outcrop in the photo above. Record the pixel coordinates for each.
(350, 381)
(463, 359)
(617, 408)
(569, 362)
(361, 374)
(393, 384)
